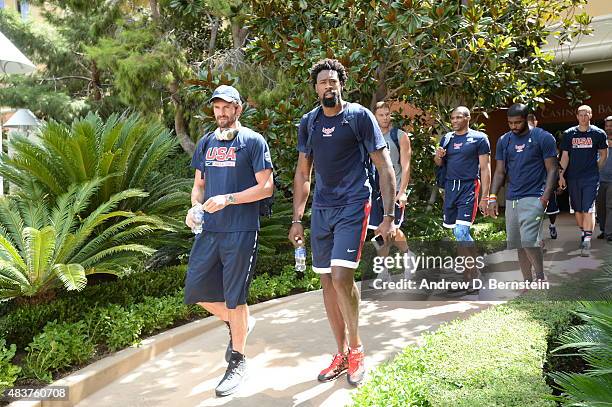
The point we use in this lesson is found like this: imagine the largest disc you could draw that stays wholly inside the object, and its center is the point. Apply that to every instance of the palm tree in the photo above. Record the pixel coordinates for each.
(45, 245)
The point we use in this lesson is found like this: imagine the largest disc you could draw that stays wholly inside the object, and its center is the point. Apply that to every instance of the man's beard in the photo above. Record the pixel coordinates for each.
(330, 101)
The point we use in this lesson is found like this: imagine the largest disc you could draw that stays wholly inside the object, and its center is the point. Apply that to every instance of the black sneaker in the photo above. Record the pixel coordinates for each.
(553, 231)
(234, 375)
(602, 235)
(228, 351)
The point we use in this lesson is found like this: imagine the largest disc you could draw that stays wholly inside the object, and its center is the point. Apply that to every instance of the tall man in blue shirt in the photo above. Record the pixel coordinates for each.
(604, 195)
(340, 210)
(233, 171)
(465, 152)
(580, 148)
(528, 157)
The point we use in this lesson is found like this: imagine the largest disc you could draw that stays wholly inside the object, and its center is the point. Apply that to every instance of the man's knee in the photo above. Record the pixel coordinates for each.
(342, 279)
(462, 233)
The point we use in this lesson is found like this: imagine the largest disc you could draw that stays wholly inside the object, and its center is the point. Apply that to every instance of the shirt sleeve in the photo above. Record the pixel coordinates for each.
(500, 151)
(564, 145)
(484, 147)
(602, 142)
(303, 136)
(371, 134)
(548, 145)
(260, 154)
(197, 160)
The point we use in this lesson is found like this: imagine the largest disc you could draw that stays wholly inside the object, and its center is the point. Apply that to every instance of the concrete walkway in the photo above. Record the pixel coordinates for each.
(292, 342)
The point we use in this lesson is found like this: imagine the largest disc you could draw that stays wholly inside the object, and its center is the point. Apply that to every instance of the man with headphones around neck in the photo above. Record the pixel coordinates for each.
(233, 171)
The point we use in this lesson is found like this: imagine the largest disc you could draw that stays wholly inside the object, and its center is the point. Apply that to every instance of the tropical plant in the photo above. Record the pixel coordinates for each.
(273, 230)
(593, 341)
(44, 246)
(126, 151)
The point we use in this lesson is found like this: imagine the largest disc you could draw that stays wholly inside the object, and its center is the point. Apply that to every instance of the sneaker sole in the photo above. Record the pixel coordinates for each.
(355, 383)
(329, 379)
(233, 389)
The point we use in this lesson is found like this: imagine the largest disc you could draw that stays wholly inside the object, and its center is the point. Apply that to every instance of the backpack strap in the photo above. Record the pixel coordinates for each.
(310, 125)
(394, 137)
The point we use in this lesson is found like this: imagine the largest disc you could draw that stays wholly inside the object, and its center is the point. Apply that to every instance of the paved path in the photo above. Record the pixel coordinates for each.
(292, 342)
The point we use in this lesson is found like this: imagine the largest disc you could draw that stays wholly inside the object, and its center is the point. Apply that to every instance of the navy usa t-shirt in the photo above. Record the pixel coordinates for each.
(340, 171)
(582, 148)
(462, 155)
(230, 167)
(524, 159)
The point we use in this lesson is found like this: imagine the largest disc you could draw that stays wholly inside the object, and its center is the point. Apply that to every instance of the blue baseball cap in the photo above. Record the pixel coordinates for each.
(227, 93)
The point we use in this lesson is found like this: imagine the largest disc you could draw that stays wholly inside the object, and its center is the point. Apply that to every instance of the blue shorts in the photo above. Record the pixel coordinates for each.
(460, 202)
(221, 267)
(376, 215)
(553, 205)
(582, 193)
(337, 235)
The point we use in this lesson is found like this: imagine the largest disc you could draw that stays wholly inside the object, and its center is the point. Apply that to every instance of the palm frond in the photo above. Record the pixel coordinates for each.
(133, 248)
(71, 275)
(39, 249)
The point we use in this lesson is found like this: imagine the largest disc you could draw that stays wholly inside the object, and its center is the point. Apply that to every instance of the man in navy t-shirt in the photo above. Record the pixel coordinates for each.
(233, 171)
(528, 158)
(580, 148)
(341, 204)
(465, 152)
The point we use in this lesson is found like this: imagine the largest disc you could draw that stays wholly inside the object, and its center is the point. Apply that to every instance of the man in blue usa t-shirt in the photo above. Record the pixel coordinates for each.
(528, 158)
(341, 205)
(233, 171)
(580, 148)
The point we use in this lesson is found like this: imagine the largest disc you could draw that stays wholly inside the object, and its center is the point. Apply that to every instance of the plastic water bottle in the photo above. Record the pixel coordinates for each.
(198, 217)
(300, 258)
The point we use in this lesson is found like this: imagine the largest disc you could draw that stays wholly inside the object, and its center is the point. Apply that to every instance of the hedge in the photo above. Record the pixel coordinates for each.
(493, 358)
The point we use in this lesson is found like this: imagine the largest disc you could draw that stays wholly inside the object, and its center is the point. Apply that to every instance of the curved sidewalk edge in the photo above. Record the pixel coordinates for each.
(94, 377)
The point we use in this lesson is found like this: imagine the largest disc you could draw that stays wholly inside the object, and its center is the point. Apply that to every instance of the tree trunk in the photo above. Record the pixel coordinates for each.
(432, 198)
(213, 35)
(95, 81)
(154, 10)
(239, 33)
(179, 120)
(381, 90)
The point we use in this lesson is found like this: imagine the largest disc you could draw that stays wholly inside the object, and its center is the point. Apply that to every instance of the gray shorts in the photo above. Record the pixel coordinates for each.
(524, 222)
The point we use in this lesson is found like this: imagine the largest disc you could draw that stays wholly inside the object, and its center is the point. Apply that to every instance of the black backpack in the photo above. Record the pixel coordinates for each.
(441, 170)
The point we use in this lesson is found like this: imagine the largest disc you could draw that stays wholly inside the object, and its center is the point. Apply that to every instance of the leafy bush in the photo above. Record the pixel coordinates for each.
(125, 152)
(8, 371)
(159, 313)
(493, 358)
(115, 326)
(41, 246)
(59, 346)
(593, 340)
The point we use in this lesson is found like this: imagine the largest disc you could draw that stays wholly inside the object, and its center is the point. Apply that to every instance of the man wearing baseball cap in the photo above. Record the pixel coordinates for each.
(233, 172)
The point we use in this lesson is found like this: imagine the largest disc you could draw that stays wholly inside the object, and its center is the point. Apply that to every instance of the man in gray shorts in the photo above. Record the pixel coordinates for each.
(529, 158)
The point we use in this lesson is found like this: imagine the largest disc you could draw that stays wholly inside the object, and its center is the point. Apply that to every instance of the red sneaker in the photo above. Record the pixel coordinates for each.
(338, 366)
(356, 367)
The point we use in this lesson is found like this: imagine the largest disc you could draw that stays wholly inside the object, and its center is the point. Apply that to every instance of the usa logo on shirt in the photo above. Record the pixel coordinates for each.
(519, 148)
(328, 132)
(457, 146)
(221, 157)
(582, 142)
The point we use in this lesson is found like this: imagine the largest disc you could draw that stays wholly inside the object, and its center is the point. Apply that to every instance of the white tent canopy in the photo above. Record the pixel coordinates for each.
(11, 59)
(22, 118)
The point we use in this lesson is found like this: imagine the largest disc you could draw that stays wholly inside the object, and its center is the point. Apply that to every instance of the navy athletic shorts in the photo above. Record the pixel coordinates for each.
(376, 215)
(460, 202)
(221, 267)
(582, 193)
(337, 235)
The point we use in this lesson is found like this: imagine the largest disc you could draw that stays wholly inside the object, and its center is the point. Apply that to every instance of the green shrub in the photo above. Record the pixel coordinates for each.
(593, 340)
(8, 371)
(59, 346)
(159, 313)
(115, 326)
(493, 358)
